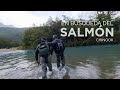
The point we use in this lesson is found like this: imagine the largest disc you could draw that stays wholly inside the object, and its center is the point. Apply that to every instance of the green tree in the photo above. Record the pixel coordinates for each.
(32, 35)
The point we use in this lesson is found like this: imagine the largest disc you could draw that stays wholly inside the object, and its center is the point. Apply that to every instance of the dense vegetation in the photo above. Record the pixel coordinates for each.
(15, 34)
(32, 35)
(6, 43)
(11, 37)
(29, 38)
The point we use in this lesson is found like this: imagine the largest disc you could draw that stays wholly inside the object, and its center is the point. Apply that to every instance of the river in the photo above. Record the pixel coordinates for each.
(84, 62)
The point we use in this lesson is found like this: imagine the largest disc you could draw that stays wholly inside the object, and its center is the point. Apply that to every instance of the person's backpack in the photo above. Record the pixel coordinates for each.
(44, 49)
(59, 45)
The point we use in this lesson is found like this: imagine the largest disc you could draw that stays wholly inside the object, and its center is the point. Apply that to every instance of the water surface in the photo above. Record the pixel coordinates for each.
(84, 62)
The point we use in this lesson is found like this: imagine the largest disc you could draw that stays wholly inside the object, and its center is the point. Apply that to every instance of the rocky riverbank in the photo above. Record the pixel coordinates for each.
(7, 50)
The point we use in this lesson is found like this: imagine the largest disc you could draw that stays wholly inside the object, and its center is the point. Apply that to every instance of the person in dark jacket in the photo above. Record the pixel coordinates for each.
(58, 48)
(43, 52)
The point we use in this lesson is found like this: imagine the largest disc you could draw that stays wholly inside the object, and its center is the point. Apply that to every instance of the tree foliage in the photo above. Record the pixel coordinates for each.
(33, 35)
(6, 43)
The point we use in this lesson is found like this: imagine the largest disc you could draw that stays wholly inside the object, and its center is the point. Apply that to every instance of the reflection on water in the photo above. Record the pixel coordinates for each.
(85, 62)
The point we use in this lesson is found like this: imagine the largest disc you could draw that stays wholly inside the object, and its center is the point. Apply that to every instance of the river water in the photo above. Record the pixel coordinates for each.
(84, 62)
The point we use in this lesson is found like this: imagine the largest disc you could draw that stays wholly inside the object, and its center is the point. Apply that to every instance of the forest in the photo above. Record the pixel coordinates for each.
(33, 35)
(7, 43)
(11, 37)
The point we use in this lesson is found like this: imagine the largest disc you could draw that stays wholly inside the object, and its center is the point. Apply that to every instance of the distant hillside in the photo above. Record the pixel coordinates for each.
(10, 26)
(15, 34)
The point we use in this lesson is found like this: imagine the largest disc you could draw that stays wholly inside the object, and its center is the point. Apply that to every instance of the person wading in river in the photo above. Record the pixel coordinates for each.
(58, 48)
(43, 50)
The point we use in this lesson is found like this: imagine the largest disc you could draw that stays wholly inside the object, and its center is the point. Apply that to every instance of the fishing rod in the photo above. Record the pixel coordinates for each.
(33, 54)
(38, 61)
(34, 57)
(33, 49)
